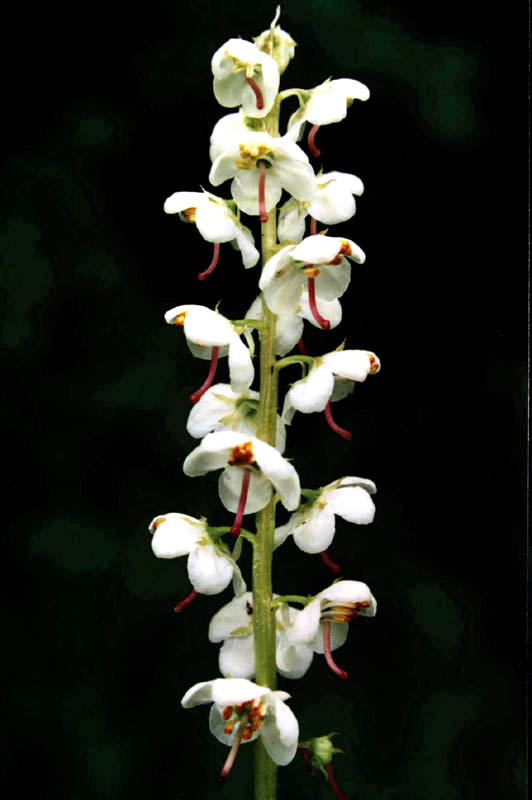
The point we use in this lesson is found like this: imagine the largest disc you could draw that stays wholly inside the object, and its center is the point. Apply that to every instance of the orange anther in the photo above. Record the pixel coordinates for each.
(257, 724)
(247, 734)
(311, 272)
(180, 319)
(337, 260)
(345, 248)
(374, 363)
(229, 727)
(189, 214)
(242, 455)
(227, 712)
(156, 523)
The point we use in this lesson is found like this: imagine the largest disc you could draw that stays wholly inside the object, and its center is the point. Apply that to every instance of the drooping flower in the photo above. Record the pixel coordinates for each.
(209, 336)
(323, 623)
(242, 711)
(216, 223)
(276, 43)
(313, 524)
(209, 564)
(245, 76)
(323, 105)
(222, 409)
(332, 203)
(331, 377)
(233, 626)
(318, 263)
(251, 470)
(261, 167)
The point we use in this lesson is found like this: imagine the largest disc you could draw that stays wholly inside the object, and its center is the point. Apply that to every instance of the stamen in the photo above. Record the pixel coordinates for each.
(301, 347)
(311, 145)
(212, 265)
(332, 783)
(230, 760)
(331, 564)
(235, 530)
(347, 435)
(322, 322)
(186, 602)
(258, 94)
(313, 226)
(209, 379)
(262, 192)
(327, 651)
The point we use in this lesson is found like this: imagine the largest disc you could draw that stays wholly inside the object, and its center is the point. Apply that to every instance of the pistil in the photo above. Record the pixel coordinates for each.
(311, 145)
(258, 94)
(313, 226)
(186, 602)
(209, 379)
(327, 651)
(212, 265)
(332, 783)
(235, 530)
(330, 563)
(322, 322)
(262, 192)
(347, 435)
(230, 760)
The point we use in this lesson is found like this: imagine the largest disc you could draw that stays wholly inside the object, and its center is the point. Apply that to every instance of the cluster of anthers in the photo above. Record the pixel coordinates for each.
(302, 280)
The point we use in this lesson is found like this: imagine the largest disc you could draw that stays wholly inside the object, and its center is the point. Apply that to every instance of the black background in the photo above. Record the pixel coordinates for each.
(108, 111)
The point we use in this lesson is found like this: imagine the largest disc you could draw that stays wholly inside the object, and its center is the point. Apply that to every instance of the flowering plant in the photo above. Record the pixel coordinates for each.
(303, 276)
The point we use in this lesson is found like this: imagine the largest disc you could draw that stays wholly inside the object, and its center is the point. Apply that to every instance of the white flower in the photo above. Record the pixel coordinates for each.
(215, 222)
(277, 43)
(313, 524)
(240, 455)
(245, 76)
(210, 567)
(262, 166)
(233, 625)
(289, 328)
(330, 371)
(322, 624)
(243, 711)
(227, 130)
(211, 335)
(222, 409)
(333, 202)
(317, 262)
(326, 103)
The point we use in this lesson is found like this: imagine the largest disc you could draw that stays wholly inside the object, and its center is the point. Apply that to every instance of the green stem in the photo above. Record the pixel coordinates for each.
(263, 613)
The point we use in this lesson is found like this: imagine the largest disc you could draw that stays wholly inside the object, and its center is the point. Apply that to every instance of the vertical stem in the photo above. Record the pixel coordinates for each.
(263, 616)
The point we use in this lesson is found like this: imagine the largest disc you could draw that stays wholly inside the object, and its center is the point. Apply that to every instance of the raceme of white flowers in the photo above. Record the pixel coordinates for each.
(303, 281)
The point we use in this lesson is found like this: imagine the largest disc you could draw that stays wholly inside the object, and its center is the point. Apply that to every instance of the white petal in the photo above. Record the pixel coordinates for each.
(291, 224)
(208, 328)
(236, 658)
(245, 190)
(288, 332)
(227, 130)
(353, 504)
(216, 403)
(293, 661)
(233, 691)
(282, 282)
(280, 731)
(347, 179)
(215, 222)
(176, 536)
(281, 534)
(209, 572)
(179, 201)
(280, 472)
(354, 365)
(327, 104)
(198, 694)
(201, 461)
(294, 172)
(352, 89)
(246, 245)
(230, 617)
(312, 393)
(268, 81)
(241, 371)
(315, 531)
(332, 204)
(306, 624)
(342, 389)
(333, 280)
(317, 249)
(351, 480)
(230, 487)
(350, 592)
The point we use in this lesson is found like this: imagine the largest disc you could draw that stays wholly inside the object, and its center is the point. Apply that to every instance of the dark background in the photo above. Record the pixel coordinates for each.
(108, 111)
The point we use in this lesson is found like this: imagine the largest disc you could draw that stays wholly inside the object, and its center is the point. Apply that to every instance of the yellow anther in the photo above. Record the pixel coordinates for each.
(311, 272)
(157, 522)
(189, 214)
(180, 319)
